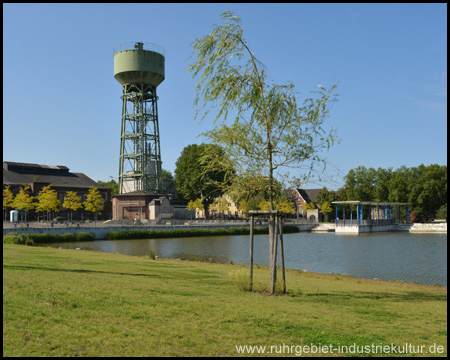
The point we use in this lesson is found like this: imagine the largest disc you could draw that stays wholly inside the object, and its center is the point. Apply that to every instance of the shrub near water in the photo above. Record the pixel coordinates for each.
(31, 239)
(173, 233)
(47, 238)
(18, 239)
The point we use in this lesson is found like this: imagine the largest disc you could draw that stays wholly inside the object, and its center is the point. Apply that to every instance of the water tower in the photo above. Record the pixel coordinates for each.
(139, 68)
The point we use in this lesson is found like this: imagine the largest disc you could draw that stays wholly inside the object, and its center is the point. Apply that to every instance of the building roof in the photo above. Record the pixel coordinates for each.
(35, 168)
(58, 176)
(309, 195)
(351, 202)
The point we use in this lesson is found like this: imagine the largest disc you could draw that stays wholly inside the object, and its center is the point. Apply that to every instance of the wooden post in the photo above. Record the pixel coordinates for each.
(251, 252)
(273, 245)
(280, 222)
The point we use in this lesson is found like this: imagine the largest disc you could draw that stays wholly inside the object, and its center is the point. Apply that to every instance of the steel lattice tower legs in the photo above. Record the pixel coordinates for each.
(140, 152)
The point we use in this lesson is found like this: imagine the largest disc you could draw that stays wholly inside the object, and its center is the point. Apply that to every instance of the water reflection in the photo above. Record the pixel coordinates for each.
(408, 257)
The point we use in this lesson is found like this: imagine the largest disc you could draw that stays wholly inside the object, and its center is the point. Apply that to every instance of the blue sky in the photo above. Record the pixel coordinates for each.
(62, 106)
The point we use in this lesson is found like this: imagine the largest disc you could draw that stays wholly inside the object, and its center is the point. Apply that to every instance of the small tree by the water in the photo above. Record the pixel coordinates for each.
(72, 202)
(326, 210)
(8, 199)
(48, 200)
(270, 130)
(195, 204)
(94, 202)
(23, 200)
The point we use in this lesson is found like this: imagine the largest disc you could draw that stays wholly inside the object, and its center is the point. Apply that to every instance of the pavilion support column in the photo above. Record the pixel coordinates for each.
(351, 214)
(357, 214)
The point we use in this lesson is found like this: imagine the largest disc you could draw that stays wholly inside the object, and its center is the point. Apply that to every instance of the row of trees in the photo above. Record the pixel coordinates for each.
(425, 187)
(47, 201)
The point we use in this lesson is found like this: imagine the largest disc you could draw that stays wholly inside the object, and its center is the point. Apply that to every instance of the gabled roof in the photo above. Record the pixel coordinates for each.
(309, 195)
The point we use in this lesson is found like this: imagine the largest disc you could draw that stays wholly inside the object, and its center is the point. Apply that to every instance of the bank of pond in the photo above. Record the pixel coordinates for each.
(31, 239)
(392, 255)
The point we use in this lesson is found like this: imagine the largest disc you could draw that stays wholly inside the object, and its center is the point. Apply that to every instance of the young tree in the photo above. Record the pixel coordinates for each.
(326, 210)
(221, 206)
(282, 205)
(94, 202)
(244, 206)
(48, 200)
(8, 199)
(270, 130)
(309, 206)
(23, 200)
(195, 204)
(72, 202)
(286, 207)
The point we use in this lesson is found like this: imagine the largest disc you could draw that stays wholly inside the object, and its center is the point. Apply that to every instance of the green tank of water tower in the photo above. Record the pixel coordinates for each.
(140, 68)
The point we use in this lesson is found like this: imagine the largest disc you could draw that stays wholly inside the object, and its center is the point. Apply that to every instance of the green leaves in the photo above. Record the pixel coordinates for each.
(201, 172)
(268, 129)
(423, 186)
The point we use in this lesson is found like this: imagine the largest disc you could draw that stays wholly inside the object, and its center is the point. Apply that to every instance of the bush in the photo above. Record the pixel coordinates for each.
(173, 233)
(46, 238)
(68, 237)
(18, 239)
(31, 239)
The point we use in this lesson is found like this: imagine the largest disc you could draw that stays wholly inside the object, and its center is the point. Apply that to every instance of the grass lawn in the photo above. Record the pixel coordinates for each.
(78, 303)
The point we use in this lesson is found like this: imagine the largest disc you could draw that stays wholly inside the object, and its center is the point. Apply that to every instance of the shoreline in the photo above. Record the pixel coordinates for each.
(100, 230)
(209, 260)
(336, 276)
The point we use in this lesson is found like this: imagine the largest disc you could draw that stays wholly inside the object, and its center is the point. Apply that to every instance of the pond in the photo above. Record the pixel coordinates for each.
(419, 258)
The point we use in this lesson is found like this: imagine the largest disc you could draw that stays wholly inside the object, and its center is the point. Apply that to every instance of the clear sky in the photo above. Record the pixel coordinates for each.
(62, 106)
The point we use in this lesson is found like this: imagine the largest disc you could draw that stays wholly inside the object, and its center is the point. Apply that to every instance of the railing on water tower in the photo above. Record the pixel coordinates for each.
(131, 45)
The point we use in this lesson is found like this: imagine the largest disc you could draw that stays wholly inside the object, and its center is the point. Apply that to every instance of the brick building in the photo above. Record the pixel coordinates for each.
(37, 176)
(301, 196)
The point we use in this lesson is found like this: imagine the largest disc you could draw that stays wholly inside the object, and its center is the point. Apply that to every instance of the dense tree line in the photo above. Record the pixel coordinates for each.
(425, 187)
(47, 201)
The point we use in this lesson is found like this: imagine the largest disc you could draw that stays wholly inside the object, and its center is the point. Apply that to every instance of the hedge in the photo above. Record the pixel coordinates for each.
(31, 239)
(174, 233)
